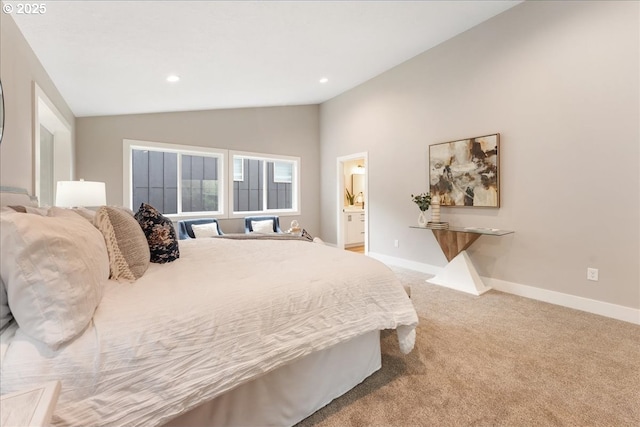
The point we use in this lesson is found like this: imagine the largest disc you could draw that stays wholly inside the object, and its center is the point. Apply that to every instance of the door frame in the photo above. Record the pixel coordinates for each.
(340, 161)
(46, 114)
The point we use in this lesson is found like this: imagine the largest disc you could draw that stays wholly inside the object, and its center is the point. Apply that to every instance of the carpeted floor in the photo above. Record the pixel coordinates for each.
(497, 360)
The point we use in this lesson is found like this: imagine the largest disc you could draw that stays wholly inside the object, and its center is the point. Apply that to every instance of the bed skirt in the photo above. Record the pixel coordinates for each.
(291, 393)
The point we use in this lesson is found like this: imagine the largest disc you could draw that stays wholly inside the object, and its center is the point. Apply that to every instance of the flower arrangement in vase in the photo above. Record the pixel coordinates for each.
(350, 196)
(423, 201)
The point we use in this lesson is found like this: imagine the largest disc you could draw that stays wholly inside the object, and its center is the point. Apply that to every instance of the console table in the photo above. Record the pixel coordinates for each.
(459, 273)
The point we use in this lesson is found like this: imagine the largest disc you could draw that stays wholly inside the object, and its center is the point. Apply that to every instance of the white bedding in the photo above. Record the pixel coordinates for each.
(227, 311)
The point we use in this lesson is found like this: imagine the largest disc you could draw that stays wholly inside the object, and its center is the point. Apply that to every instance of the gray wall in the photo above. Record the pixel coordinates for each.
(19, 68)
(290, 131)
(560, 82)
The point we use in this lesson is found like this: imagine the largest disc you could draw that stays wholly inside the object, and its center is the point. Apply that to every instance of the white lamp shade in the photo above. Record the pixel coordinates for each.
(73, 194)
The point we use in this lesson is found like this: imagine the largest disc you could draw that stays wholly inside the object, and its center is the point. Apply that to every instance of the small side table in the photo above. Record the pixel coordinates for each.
(29, 408)
(459, 273)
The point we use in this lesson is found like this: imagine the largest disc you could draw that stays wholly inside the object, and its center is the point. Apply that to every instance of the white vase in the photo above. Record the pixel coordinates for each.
(422, 219)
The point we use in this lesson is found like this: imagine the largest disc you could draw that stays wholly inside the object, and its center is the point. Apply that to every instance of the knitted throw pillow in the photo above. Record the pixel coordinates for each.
(126, 243)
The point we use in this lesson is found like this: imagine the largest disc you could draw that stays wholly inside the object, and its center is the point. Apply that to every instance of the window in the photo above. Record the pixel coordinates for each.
(283, 172)
(192, 181)
(199, 184)
(175, 179)
(155, 180)
(264, 184)
(238, 169)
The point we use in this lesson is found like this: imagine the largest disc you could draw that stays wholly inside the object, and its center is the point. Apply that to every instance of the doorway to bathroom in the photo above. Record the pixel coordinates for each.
(352, 203)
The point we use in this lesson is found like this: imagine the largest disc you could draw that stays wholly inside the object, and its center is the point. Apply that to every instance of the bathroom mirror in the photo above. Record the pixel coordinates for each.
(1, 111)
(357, 184)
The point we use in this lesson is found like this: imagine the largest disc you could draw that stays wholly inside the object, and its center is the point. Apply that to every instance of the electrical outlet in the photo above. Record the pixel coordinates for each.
(592, 274)
(396, 243)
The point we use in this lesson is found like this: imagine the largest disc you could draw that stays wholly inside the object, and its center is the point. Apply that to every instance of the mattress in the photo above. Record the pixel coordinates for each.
(226, 312)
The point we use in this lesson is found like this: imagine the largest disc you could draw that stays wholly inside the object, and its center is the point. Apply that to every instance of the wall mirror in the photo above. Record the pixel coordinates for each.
(1, 111)
(357, 184)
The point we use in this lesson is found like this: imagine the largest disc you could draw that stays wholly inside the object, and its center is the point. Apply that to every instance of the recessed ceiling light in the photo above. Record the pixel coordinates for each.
(324, 80)
(173, 78)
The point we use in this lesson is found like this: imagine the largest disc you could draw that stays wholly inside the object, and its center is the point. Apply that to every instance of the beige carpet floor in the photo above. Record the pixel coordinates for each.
(497, 360)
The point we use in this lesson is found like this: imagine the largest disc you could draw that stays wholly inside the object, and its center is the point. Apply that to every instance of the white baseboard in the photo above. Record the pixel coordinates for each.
(404, 263)
(614, 311)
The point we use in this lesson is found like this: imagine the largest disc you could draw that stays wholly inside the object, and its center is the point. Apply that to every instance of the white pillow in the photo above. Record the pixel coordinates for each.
(16, 196)
(264, 226)
(205, 230)
(54, 269)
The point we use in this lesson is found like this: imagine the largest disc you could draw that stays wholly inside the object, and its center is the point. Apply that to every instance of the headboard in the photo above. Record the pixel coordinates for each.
(10, 196)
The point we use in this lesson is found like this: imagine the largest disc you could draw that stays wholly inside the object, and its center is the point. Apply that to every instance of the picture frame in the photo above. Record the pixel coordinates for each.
(466, 172)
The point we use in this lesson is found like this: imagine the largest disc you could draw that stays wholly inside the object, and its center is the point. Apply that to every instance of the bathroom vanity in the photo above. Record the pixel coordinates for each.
(354, 226)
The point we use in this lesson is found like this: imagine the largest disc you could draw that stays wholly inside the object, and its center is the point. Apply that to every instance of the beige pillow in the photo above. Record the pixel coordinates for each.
(128, 249)
(85, 213)
(57, 211)
(54, 269)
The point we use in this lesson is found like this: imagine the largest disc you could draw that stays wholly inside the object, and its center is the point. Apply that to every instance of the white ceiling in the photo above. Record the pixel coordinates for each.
(112, 57)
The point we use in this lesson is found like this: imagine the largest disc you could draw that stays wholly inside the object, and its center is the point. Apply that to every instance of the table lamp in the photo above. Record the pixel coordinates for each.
(74, 194)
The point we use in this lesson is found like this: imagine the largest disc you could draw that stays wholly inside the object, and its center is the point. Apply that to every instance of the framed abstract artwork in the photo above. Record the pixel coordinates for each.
(466, 172)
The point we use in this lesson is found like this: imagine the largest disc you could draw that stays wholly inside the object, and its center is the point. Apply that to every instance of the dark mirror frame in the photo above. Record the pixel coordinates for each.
(1, 112)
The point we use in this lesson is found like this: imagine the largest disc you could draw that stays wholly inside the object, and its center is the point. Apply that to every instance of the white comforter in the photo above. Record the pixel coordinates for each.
(226, 312)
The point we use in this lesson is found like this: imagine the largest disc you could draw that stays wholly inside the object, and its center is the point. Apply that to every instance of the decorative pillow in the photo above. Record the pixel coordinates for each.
(205, 230)
(161, 236)
(264, 226)
(126, 243)
(54, 269)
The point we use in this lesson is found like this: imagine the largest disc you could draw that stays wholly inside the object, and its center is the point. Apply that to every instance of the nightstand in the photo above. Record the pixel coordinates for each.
(31, 407)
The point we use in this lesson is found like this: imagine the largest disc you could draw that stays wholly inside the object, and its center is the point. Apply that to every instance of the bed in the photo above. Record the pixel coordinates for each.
(233, 332)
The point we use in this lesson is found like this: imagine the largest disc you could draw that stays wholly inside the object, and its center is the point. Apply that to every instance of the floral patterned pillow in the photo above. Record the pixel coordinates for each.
(163, 243)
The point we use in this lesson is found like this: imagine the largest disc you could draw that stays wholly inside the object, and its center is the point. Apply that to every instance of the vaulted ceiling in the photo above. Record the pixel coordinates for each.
(113, 57)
